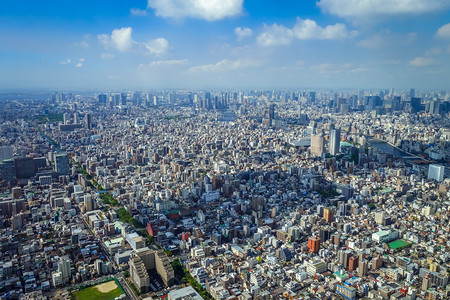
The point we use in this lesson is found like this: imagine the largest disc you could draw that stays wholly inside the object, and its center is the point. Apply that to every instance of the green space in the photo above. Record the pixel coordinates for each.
(93, 293)
(126, 217)
(399, 244)
(184, 276)
(49, 118)
(330, 193)
(107, 198)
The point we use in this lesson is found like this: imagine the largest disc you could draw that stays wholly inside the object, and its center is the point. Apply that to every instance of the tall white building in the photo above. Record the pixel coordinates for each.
(335, 141)
(436, 172)
(64, 269)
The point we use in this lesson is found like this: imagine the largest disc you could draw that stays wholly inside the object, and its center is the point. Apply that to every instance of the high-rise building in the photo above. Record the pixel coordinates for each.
(416, 105)
(7, 171)
(272, 112)
(328, 214)
(353, 263)
(66, 118)
(102, 98)
(317, 145)
(313, 244)
(362, 268)
(62, 166)
(76, 118)
(335, 141)
(123, 98)
(312, 96)
(64, 268)
(436, 172)
(88, 121)
(88, 203)
(25, 167)
(6, 152)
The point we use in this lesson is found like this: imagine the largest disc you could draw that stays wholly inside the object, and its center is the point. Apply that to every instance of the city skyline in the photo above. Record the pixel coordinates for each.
(222, 44)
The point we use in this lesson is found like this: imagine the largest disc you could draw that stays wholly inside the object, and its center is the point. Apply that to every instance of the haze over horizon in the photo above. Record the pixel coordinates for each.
(195, 44)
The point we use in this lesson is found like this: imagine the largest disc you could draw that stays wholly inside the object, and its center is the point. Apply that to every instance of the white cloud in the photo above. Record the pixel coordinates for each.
(210, 10)
(158, 63)
(348, 68)
(375, 41)
(277, 35)
(157, 46)
(308, 29)
(371, 9)
(80, 63)
(121, 40)
(65, 62)
(444, 31)
(138, 12)
(243, 32)
(226, 65)
(107, 55)
(421, 62)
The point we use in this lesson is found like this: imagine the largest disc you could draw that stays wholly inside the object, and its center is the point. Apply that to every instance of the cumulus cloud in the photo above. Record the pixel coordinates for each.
(138, 12)
(210, 10)
(243, 32)
(374, 8)
(277, 35)
(444, 31)
(226, 65)
(65, 62)
(121, 40)
(308, 29)
(157, 46)
(421, 62)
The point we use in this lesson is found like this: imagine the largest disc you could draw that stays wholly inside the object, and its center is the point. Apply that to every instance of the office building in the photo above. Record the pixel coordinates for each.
(436, 172)
(62, 166)
(88, 121)
(317, 145)
(335, 141)
(6, 152)
(313, 244)
(328, 214)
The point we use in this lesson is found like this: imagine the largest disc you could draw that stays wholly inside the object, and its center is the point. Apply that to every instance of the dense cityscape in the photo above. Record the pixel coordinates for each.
(225, 150)
(225, 194)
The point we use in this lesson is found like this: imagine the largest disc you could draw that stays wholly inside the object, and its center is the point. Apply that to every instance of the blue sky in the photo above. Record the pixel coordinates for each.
(196, 44)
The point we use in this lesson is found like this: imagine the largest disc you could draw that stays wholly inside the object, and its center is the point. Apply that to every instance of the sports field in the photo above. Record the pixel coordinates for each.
(105, 291)
(398, 244)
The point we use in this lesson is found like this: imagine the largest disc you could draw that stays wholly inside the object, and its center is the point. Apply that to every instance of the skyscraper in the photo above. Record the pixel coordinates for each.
(317, 145)
(335, 141)
(102, 98)
(88, 121)
(62, 166)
